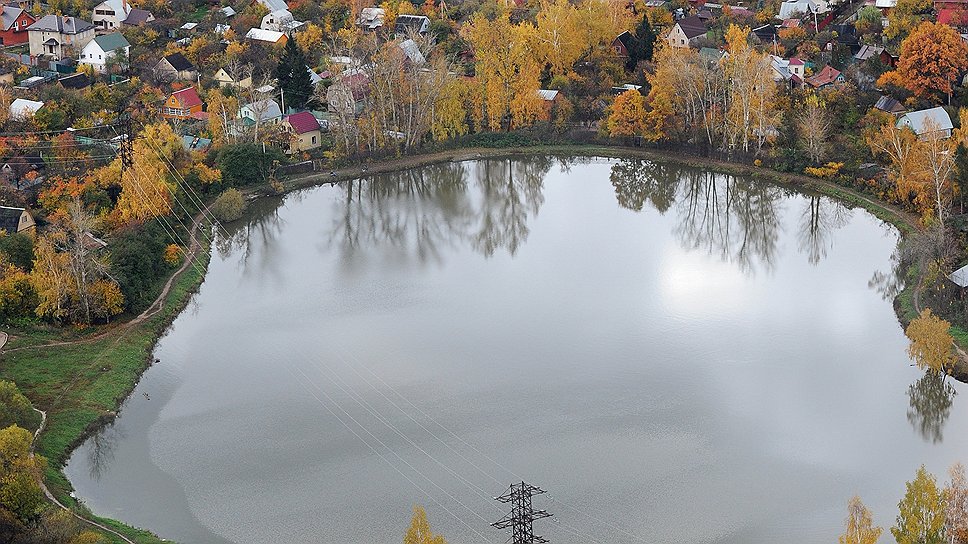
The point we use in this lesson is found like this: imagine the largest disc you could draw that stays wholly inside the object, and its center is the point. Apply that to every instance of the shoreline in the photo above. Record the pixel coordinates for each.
(173, 303)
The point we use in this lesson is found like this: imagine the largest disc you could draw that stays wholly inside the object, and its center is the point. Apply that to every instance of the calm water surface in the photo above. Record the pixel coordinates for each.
(675, 356)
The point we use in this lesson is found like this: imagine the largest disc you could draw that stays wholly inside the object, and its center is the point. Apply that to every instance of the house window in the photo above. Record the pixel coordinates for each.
(314, 139)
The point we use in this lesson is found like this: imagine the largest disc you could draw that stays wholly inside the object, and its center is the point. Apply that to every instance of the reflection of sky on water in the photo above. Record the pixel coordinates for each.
(694, 357)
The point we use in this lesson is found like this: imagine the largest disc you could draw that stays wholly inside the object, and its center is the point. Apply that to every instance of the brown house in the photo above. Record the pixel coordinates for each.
(14, 220)
(183, 104)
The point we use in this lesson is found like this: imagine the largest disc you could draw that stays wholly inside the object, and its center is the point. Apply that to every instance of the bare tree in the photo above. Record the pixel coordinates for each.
(813, 128)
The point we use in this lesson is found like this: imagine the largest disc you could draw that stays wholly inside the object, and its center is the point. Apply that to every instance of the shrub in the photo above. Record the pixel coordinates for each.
(246, 164)
(229, 206)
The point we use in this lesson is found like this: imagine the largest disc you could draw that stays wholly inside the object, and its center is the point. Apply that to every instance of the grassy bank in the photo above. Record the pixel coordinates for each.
(82, 385)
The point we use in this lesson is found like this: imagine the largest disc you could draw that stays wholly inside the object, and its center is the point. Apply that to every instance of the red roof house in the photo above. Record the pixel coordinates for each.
(13, 25)
(183, 104)
(825, 78)
(306, 131)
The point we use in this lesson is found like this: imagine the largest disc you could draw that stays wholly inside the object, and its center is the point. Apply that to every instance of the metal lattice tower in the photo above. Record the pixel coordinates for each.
(522, 515)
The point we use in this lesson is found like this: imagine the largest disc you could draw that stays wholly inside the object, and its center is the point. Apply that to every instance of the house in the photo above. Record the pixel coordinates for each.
(59, 37)
(102, 50)
(280, 21)
(712, 55)
(890, 105)
(927, 123)
(868, 52)
(623, 44)
(261, 111)
(766, 34)
(175, 67)
(183, 104)
(885, 6)
(14, 220)
(686, 31)
(826, 77)
(787, 70)
(110, 14)
(138, 17)
(794, 9)
(305, 130)
(228, 12)
(266, 36)
(195, 143)
(347, 92)
(14, 25)
(411, 24)
(371, 18)
(22, 109)
(224, 79)
(274, 5)
(549, 99)
(412, 51)
(77, 80)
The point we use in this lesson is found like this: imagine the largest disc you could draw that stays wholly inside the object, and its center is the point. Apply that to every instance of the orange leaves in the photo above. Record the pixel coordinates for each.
(626, 116)
(173, 254)
(931, 58)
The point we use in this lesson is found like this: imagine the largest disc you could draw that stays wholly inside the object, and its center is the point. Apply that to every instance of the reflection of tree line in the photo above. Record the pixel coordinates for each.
(485, 204)
(736, 218)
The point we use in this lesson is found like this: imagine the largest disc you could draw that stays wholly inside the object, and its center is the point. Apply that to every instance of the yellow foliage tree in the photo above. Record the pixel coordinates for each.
(931, 342)
(626, 116)
(311, 39)
(419, 531)
(859, 525)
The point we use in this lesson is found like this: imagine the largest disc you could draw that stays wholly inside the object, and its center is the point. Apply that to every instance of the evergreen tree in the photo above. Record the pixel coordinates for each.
(644, 42)
(293, 76)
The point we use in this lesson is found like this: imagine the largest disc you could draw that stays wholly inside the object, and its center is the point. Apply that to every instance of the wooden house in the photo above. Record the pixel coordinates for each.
(183, 104)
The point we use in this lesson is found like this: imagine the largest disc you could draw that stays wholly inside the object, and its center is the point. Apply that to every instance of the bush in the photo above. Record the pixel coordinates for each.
(15, 409)
(229, 205)
(137, 262)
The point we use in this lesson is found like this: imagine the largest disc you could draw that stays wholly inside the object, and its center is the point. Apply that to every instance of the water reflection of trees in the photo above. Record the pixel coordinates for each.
(738, 219)
(818, 221)
(100, 450)
(256, 235)
(485, 205)
(735, 218)
(930, 400)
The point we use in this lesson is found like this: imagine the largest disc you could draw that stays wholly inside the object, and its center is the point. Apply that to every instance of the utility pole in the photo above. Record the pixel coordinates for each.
(126, 151)
(522, 515)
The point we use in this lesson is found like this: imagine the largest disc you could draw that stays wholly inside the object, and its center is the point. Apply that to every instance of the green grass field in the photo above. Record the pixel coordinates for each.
(81, 385)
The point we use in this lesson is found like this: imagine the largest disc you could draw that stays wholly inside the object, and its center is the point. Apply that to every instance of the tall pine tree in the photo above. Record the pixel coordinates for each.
(644, 42)
(292, 74)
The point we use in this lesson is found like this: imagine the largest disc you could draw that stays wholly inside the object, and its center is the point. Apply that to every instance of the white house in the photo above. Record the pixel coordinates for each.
(686, 31)
(110, 14)
(268, 36)
(58, 36)
(101, 50)
(280, 21)
(22, 109)
(925, 123)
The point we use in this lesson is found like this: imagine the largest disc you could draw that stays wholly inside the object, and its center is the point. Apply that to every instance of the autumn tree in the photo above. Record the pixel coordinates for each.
(931, 58)
(71, 280)
(752, 114)
(507, 72)
(222, 110)
(813, 128)
(931, 343)
(859, 525)
(956, 505)
(419, 531)
(936, 155)
(20, 472)
(626, 116)
(904, 17)
(920, 518)
(560, 35)
(899, 146)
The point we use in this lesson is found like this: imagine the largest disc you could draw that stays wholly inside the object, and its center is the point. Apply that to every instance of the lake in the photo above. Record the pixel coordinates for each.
(675, 356)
